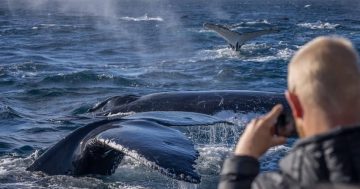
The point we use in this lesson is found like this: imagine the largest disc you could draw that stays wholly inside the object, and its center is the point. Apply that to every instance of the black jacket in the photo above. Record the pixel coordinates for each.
(333, 157)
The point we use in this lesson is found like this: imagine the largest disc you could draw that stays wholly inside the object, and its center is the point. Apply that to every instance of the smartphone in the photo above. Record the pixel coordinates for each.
(285, 125)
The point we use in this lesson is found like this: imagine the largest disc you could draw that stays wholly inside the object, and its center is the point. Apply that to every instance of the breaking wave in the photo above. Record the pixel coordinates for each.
(319, 25)
(6, 112)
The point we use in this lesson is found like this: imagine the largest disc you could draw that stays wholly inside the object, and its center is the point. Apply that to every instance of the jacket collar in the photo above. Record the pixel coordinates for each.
(338, 131)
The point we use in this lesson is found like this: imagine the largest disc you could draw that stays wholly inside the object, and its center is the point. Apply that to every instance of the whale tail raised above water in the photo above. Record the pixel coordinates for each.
(236, 39)
(98, 148)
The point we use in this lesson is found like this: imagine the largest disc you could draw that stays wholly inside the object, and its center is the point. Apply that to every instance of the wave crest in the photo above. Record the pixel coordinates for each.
(88, 77)
(142, 18)
(318, 25)
(6, 112)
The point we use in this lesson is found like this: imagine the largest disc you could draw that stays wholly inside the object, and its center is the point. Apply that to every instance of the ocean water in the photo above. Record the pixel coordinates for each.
(60, 57)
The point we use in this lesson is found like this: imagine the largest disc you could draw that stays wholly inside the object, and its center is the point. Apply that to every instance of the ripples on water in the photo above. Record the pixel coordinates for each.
(58, 58)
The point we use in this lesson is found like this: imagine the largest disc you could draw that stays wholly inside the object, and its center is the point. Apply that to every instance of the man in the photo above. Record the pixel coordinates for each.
(324, 96)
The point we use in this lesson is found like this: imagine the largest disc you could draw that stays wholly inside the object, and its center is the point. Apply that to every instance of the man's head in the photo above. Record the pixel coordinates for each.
(324, 85)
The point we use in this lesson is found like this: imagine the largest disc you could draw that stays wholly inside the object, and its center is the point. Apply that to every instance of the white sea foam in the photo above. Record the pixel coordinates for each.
(211, 158)
(282, 54)
(118, 185)
(258, 22)
(48, 25)
(213, 154)
(251, 46)
(285, 53)
(13, 175)
(202, 30)
(263, 59)
(248, 24)
(222, 52)
(119, 115)
(186, 185)
(51, 26)
(16, 163)
(2, 170)
(318, 25)
(142, 18)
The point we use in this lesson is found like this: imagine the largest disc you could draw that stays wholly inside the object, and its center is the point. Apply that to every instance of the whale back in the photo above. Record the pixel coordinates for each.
(205, 102)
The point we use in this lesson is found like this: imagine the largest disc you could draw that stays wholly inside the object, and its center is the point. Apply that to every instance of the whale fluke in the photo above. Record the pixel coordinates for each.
(236, 39)
(157, 146)
(99, 147)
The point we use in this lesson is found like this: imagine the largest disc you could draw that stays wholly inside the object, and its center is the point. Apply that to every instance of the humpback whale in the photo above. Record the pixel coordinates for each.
(99, 147)
(235, 39)
(206, 102)
(147, 135)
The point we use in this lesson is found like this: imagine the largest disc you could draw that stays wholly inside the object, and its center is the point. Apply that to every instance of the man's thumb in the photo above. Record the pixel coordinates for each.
(278, 140)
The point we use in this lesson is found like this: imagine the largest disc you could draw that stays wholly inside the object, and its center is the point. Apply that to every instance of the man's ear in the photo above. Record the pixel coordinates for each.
(295, 104)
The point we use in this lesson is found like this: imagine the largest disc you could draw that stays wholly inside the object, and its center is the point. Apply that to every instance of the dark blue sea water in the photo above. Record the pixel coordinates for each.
(60, 57)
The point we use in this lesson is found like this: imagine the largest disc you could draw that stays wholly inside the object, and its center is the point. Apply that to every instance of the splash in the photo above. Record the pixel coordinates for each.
(153, 165)
(252, 52)
(318, 25)
(219, 133)
(285, 53)
(213, 54)
(185, 185)
(211, 158)
(282, 54)
(13, 175)
(142, 18)
(119, 115)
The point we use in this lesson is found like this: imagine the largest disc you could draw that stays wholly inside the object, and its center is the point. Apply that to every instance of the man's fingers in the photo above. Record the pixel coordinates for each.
(254, 121)
(275, 111)
(271, 117)
(278, 140)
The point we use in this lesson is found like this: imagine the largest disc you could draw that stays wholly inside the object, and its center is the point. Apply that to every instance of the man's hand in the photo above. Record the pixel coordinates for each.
(259, 136)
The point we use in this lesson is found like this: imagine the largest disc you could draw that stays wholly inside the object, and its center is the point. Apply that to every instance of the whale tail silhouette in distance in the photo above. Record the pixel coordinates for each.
(236, 39)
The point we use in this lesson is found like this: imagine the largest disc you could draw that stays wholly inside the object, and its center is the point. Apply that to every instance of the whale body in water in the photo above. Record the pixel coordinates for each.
(147, 135)
(236, 39)
(206, 102)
